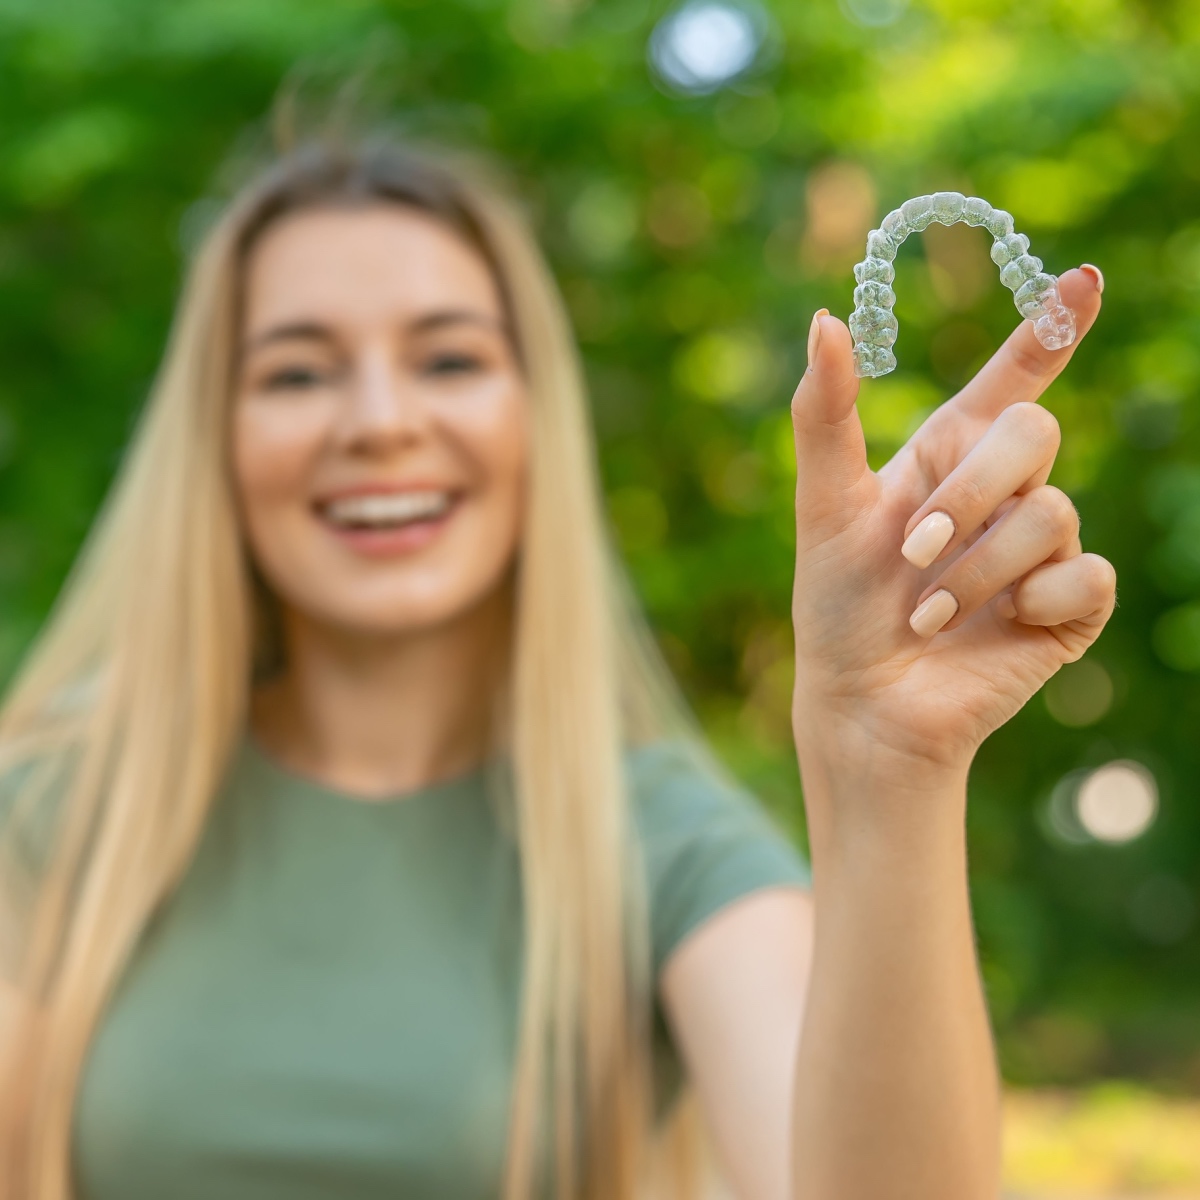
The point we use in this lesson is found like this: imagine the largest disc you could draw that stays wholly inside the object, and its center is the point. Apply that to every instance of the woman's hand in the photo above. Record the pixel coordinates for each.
(904, 667)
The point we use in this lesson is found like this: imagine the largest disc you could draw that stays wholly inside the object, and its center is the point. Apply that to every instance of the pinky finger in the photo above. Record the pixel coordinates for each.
(1072, 598)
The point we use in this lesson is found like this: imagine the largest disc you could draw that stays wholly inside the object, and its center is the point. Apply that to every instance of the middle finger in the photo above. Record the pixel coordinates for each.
(1015, 454)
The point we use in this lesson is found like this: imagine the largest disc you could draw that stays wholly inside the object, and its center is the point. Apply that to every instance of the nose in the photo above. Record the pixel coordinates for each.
(381, 408)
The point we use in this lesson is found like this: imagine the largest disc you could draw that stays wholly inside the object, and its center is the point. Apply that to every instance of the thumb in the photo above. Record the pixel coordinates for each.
(831, 452)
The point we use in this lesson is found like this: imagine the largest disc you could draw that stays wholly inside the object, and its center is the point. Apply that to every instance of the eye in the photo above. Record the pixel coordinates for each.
(294, 378)
(451, 363)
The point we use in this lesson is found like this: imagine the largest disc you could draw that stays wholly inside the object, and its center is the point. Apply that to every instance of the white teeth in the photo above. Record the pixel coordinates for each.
(390, 508)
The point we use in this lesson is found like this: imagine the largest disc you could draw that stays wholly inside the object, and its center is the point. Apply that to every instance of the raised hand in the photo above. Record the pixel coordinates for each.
(934, 597)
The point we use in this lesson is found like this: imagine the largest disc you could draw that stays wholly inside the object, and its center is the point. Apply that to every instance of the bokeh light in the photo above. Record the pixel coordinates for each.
(874, 12)
(1176, 637)
(1117, 802)
(1080, 694)
(726, 366)
(840, 204)
(1058, 816)
(706, 44)
(602, 220)
(1114, 803)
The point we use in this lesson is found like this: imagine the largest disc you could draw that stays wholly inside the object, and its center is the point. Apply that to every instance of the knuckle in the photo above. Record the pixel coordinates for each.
(798, 405)
(1030, 364)
(1036, 423)
(1056, 510)
(966, 497)
(968, 580)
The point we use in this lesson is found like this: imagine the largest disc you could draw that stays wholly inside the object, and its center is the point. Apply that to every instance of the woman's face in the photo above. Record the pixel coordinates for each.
(379, 433)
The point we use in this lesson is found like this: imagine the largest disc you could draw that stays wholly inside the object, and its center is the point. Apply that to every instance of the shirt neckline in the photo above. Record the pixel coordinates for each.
(282, 777)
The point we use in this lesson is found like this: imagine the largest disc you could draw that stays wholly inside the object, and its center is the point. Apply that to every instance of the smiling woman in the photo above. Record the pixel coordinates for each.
(351, 826)
(353, 840)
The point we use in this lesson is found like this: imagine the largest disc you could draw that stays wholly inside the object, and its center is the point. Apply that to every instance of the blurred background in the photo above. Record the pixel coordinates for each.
(703, 177)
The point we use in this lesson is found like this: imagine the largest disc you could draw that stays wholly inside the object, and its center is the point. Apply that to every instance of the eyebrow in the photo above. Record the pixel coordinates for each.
(454, 316)
(315, 331)
(291, 331)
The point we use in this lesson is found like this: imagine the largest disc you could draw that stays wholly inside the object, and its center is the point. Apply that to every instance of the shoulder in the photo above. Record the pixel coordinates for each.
(678, 794)
(705, 841)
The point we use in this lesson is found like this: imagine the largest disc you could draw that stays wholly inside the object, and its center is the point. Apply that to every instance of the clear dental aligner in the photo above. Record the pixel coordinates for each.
(1035, 293)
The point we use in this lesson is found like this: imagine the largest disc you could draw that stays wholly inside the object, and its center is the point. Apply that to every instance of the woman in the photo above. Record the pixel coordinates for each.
(352, 847)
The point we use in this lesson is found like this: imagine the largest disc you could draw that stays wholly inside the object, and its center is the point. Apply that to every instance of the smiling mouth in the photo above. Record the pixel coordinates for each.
(390, 510)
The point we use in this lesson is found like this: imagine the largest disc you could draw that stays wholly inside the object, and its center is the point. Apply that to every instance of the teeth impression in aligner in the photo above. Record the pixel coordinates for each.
(1035, 293)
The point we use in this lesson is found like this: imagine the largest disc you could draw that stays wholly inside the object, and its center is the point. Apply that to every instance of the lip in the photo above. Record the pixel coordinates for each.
(383, 489)
(388, 543)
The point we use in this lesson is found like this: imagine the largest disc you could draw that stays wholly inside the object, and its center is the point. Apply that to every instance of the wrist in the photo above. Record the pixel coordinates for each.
(849, 753)
(861, 792)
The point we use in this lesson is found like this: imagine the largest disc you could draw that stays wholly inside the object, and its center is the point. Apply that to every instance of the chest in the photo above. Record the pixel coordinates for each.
(313, 1024)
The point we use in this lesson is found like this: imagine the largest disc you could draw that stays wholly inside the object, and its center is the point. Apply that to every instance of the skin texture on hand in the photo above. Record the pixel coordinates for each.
(864, 677)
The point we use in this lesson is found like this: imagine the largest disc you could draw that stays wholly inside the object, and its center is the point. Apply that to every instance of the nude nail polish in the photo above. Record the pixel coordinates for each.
(1096, 274)
(931, 615)
(814, 334)
(928, 540)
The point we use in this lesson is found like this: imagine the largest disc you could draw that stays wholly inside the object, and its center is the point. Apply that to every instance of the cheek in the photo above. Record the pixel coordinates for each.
(273, 452)
(499, 437)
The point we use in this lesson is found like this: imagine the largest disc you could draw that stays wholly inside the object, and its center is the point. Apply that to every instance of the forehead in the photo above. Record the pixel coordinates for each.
(379, 264)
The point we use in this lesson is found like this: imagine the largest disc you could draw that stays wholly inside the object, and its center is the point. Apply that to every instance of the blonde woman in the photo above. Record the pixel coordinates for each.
(351, 847)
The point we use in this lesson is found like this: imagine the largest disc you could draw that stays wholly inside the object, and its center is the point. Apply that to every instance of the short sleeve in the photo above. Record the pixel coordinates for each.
(26, 840)
(705, 844)
(29, 809)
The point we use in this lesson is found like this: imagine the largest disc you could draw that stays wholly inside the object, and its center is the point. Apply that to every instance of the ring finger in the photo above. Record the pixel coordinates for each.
(1040, 525)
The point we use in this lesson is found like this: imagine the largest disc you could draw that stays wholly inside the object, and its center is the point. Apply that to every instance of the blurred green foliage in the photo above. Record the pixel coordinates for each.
(693, 237)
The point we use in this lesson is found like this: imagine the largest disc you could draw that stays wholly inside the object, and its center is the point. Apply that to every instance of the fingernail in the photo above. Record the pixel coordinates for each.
(814, 335)
(1005, 606)
(933, 614)
(928, 540)
(1096, 274)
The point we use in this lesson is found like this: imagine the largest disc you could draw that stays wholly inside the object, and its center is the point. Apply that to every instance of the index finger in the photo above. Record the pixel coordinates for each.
(1022, 369)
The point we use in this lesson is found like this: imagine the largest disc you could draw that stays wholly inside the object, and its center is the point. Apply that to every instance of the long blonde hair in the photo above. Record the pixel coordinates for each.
(130, 705)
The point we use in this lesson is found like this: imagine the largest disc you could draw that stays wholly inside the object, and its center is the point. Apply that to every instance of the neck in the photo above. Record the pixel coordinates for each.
(379, 715)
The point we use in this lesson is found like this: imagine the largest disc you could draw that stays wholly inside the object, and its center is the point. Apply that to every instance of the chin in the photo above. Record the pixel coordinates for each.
(403, 612)
(411, 594)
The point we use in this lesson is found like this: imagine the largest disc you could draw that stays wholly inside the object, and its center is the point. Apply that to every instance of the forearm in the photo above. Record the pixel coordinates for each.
(897, 1094)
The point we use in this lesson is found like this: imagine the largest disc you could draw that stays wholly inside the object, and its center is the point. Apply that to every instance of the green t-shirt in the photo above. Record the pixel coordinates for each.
(326, 1008)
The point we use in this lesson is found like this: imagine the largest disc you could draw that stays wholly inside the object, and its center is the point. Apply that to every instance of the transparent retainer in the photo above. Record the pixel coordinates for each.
(1035, 293)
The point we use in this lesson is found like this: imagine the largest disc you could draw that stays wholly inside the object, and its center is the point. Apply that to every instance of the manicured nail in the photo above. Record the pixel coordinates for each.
(814, 335)
(933, 614)
(1096, 274)
(928, 540)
